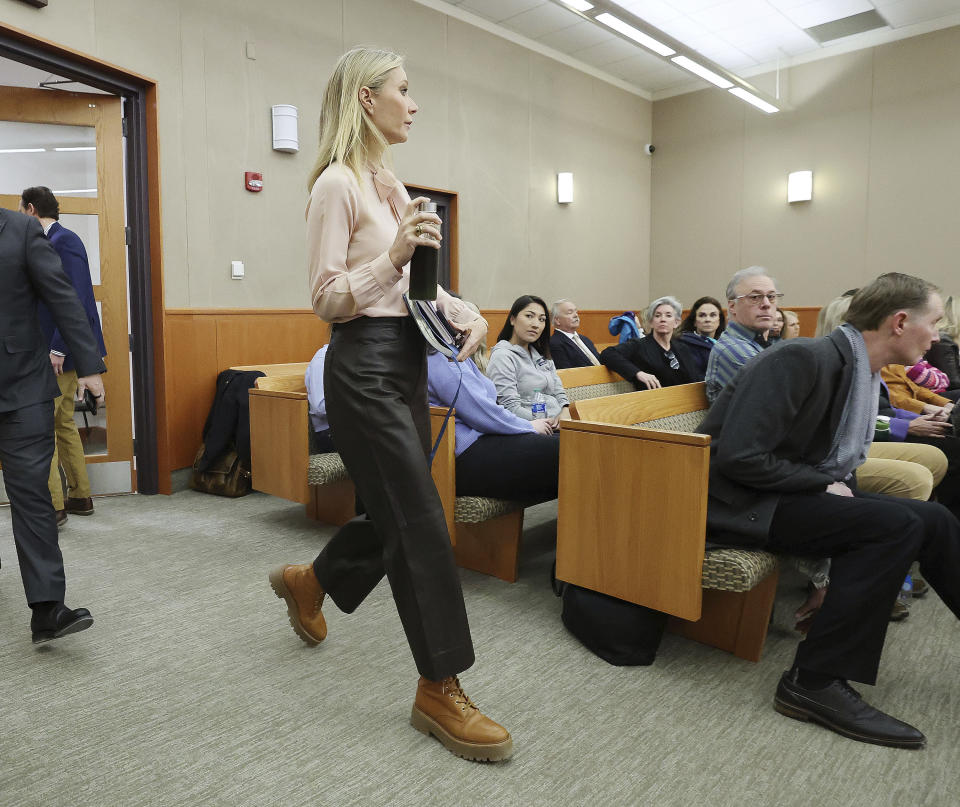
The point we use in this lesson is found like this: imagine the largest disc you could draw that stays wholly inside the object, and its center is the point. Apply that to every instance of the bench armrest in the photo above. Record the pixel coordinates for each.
(632, 514)
(279, 448)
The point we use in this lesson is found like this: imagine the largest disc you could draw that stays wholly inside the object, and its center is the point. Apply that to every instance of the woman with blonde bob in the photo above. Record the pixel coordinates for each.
(362, 229)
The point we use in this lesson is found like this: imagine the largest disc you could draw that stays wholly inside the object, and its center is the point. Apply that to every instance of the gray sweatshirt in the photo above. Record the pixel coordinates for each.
(518, 373)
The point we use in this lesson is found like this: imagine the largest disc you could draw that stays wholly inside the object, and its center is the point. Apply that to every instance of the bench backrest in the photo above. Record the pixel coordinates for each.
(680, 408)
(582, 383)
(291, 368)
(292, 382)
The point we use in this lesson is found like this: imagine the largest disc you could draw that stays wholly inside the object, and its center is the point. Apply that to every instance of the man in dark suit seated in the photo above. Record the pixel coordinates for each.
(30, 271)
(788, 432)
(567, 347)
(40, 203)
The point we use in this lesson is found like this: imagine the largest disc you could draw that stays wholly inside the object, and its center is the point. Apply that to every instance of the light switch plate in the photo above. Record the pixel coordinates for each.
(236, 270)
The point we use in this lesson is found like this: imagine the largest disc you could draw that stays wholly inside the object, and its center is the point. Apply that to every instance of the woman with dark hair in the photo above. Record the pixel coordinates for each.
(701, 329)
(657, 360)
(520, 364)
(362, 230)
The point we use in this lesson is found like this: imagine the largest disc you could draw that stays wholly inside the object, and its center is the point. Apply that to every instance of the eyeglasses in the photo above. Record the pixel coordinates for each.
(756, 298)
(672, 358)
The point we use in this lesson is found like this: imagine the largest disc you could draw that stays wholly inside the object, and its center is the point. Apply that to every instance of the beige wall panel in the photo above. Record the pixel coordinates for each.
(496, 122)
(915, 162)
(814, 249)
(72, 23)
(697, 195)
(489, 162)
(601, 240)
(879, 129)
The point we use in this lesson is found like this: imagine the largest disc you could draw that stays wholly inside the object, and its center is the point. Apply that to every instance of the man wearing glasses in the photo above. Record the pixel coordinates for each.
(752, 299)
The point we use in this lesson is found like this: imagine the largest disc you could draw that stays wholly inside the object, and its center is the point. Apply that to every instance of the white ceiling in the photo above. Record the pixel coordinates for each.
(746, 37)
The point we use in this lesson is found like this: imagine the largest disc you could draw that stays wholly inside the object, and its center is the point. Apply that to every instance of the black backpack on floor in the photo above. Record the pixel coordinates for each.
(620, 632)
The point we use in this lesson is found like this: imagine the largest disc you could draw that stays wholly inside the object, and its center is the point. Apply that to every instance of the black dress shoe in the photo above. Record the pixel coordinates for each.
(840, 707)
(52, 622)
(61, 518)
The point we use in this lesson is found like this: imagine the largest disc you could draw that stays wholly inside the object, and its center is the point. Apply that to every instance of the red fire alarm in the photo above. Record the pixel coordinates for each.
(253, 181)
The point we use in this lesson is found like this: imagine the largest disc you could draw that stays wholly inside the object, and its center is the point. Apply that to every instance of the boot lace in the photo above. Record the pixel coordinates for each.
(451, 687)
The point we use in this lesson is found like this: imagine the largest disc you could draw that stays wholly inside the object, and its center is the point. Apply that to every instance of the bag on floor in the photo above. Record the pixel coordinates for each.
(620, 632)
(224, 476)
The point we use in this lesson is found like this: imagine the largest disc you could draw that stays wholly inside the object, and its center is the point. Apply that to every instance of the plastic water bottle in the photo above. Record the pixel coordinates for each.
(906, 591)
(539, 405)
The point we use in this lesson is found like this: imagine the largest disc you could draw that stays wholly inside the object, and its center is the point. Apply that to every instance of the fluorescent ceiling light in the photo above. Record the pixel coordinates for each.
(750, 98)
(76, 148)
(703, 72)
(635, 34)
(579, 5)
(20, 151)
(77, 190)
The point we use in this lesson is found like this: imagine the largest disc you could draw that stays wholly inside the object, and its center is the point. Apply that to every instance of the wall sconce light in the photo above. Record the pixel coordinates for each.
(564, 188)
(800, 186)
(285, 136)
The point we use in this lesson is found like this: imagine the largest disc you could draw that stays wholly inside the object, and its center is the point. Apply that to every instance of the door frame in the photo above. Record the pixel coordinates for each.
(143, 232)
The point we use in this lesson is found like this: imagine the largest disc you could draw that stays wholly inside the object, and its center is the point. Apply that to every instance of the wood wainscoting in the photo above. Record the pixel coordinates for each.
(199, 343)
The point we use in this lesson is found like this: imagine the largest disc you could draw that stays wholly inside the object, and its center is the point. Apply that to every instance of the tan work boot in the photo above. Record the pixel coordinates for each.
(443, 709)
(298, 585)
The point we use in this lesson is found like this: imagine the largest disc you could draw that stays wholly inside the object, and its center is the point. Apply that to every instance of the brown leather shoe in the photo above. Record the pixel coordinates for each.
(443, 709)
(298, 585)
(79, 507)
(61, 518)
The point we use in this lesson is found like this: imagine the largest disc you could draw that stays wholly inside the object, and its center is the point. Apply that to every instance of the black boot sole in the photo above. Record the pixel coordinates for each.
(76, 626)
(805, 715)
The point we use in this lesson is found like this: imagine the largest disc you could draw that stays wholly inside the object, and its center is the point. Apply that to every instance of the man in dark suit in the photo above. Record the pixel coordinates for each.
(40, 203)
(567, 347)
(788, 432)
(30, 271)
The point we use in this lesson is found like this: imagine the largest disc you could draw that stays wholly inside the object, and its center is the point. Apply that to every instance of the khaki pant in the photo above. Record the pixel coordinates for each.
(908, 470)
(68, 451)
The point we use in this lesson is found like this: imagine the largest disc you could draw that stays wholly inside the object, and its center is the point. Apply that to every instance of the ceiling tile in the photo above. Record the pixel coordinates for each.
(692, 6)
(765, 29)
(655, 12)
(497, 10)
(733, 12)
(578, 36)
(821, 11)
(909, 12)
(540, 21)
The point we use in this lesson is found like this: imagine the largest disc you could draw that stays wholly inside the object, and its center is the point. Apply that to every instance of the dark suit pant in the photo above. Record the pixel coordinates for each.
(26, 449)
(375, 384)
(523, 467)
(872, 540)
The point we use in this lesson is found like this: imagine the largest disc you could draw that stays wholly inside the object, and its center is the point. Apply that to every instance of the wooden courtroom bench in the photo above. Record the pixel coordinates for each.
(632, 519)
(592, 382)
(485, 532)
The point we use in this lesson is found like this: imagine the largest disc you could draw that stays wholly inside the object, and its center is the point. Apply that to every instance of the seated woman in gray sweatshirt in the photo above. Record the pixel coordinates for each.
(520, 364)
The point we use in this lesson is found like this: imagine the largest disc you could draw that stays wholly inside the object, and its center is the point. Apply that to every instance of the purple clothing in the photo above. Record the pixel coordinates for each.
(900, 423)
(477, 412)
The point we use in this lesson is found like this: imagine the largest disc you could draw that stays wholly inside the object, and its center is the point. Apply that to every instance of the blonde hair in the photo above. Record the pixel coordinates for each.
(347, 135)
(950, 324)
(832, 315)
(482, 357)
(788, 313)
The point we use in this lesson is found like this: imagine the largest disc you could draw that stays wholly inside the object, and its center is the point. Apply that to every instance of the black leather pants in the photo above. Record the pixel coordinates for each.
(375, 382)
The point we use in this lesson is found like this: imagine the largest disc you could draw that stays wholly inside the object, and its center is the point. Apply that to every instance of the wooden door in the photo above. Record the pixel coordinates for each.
(73, 144)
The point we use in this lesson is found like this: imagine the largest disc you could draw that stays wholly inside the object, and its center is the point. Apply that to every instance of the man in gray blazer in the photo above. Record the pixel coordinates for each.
(30, 270)
(788, 432)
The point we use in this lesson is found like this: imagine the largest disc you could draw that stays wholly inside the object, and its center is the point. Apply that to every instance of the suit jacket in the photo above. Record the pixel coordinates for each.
(73, 257)
(30, 271)
(634, 355)
(566, 354)
(771, 426)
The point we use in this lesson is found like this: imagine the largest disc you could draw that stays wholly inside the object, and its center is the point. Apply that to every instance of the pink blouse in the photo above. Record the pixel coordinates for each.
(350, 229)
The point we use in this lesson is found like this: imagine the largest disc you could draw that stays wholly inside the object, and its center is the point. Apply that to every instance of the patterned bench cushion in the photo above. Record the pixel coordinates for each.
(683, 422)
(474, 509)
(736, 569)
(325, 469)
(599, 390)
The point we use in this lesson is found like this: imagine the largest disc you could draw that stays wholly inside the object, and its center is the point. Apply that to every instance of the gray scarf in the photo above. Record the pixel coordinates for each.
(855, 431)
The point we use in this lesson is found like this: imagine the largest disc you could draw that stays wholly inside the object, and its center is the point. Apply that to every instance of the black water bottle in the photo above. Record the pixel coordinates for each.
(424, 265)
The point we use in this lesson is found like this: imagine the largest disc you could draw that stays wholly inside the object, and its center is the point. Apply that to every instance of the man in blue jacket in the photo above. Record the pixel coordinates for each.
(40, 203)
